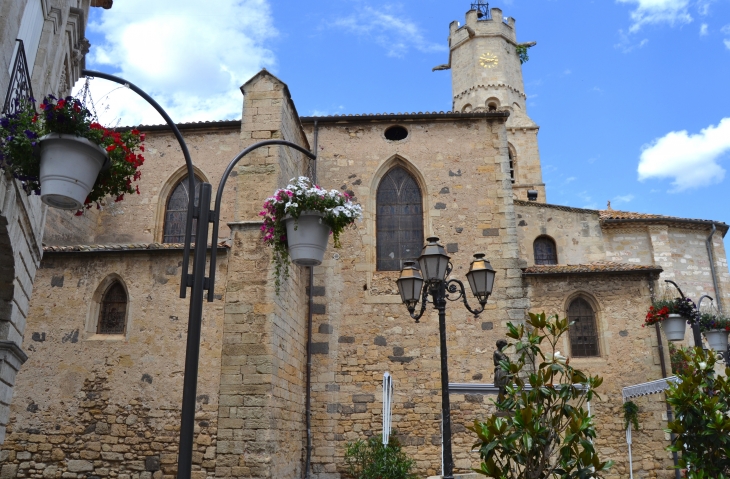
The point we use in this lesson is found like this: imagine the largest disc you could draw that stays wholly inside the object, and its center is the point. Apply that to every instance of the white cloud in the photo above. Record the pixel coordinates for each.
(703, 30)
(648, 12)
(626, 44)
(691, 160)
(726, 29)
(727, 44)
(193, 68)
(389, 28)
(623, 199)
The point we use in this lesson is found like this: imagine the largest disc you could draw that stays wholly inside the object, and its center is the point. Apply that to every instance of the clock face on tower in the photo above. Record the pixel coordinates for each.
(488, 60)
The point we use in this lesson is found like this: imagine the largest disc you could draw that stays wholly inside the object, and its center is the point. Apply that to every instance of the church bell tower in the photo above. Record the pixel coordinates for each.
(486, 75)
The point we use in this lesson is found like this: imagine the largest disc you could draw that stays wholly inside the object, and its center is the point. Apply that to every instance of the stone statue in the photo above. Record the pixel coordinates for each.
(500, 375)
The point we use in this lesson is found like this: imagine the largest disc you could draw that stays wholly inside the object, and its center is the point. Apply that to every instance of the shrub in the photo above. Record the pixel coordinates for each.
(701, 404)
(546, 432)
(372, 460)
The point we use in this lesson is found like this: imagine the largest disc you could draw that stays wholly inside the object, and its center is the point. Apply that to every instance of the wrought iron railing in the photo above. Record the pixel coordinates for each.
(19, 87)
(482, 8)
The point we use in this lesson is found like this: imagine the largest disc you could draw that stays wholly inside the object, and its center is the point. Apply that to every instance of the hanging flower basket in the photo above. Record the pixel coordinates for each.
(717, 339)
(69, 168)
(298, 220)
(80, 161)
(674, 327)
(307, 238)
(674, 315)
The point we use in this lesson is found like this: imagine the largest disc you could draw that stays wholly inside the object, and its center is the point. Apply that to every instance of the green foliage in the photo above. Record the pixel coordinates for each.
(701, 404)
(631, 415)
(372, 460)
(545, 432)
(522, 53)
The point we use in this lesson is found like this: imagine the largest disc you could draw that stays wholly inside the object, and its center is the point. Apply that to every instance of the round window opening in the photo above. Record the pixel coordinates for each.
(396, 133)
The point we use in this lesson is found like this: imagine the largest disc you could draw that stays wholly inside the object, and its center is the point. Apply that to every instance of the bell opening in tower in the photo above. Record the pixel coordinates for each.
(482, 9)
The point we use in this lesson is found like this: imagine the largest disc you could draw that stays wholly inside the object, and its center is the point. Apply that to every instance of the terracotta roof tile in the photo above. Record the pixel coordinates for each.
(590, 268)
(102, 248)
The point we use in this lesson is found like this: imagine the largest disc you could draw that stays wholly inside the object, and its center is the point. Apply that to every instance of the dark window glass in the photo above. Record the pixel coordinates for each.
(583, 332)
(511, 166)
(399, 220)
(396, 133)
(113, 310)
(545, 251)
(177, 210)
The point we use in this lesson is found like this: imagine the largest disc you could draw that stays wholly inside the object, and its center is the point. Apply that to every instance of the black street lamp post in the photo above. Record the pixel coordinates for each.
(413, 285)
(197, 281)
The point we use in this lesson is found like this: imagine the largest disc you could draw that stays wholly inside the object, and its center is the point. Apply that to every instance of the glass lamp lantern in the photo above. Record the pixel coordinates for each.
(481, 278)
(410, 284)
(433, 261)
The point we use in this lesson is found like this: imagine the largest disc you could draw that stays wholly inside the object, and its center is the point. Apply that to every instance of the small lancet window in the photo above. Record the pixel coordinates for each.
(545, 251)
(399, 220)
(177, 210)
(583, 332)
(113, 310)
(511, 166)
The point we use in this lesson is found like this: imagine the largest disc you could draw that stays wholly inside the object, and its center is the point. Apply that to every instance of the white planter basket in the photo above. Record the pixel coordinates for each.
(717, 339)
(674, 327)
(69, 167)
(307, 237)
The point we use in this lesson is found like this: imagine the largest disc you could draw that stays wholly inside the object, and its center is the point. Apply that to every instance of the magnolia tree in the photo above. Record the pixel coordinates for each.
(546, 431)
(701, 404)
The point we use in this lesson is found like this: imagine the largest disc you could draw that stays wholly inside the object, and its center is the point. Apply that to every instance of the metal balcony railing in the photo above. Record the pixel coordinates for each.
(482, 8)
(19, 87)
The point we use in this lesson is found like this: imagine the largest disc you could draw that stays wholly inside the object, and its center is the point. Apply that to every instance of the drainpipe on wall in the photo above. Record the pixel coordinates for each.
(663, 364)
(308, 393)
(708, 243)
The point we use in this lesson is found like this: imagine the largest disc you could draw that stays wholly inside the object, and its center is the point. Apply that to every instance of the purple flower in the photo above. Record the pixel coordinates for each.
(31, 135)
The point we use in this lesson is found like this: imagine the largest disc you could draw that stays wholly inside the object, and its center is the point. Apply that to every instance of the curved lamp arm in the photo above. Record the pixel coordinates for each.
(424, 301)
(188, 163)
(451, 288)
(219, 196)
(675, 285)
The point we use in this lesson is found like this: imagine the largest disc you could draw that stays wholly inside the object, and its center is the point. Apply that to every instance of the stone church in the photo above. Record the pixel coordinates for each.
(100, 393)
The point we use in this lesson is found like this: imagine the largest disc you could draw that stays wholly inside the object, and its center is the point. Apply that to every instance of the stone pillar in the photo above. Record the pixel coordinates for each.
(261, 414)
(21, 229)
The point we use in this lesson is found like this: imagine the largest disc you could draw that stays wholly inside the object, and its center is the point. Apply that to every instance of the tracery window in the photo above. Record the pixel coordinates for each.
(399, 220)
(583, 332)
(545, 251)
(113, 310)
(176, 212)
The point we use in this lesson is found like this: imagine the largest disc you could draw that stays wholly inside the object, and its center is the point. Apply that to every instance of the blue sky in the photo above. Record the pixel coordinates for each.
(631, 95)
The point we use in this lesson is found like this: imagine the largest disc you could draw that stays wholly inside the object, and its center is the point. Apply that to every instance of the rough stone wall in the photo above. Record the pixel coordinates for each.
(577, 233)
(629, 356)
(140, 218)
(100, 405)
(361, 329)
(21, 227)
(528, 170)
(681, 252)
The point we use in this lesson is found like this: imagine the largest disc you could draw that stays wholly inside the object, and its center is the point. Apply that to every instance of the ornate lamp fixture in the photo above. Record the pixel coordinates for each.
(431, 279)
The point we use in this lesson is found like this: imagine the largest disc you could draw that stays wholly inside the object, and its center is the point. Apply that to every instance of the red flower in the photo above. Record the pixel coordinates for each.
(135, 132)
(111, 147)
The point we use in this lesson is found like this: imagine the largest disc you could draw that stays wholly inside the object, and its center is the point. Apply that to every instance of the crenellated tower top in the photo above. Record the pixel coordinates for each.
(486, 72)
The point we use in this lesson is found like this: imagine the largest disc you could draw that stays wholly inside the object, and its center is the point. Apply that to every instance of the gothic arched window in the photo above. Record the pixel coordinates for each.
(399, 220)
(582, 332)
(113, 310)
(176, 212)
(545, 251)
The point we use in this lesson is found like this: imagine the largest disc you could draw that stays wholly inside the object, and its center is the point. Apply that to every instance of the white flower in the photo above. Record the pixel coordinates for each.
(703, 365)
